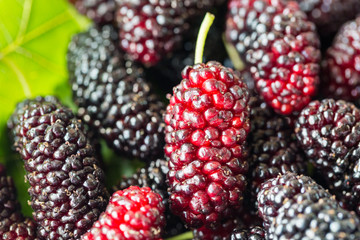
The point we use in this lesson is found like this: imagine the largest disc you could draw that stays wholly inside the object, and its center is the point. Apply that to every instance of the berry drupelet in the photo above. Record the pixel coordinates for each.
(101, 11)
(152, 29)
(13, 225)
(276, 191)
(273, 147)
(341, 67)
(322, 219)
(281, 49)
(133, 213)
(154, 177)
(207, 122)
(328, 131)
(112, 95)
(66, 184)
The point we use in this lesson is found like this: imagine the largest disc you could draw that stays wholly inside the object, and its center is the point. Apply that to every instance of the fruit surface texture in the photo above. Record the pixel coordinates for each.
(134, 213)
(207, 122)
(66, 182)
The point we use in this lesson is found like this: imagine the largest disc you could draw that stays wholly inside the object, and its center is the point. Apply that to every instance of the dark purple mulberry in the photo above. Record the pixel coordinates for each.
(114, 98)
(276, 191)
(13, 225)
(329, 132)
(273, 147)
(66, 184)
(322, 219)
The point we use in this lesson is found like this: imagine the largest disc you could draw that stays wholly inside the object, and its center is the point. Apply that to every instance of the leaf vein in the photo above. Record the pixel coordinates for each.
(25, 18)
(19, 75)
(41, 61)
(52, 24)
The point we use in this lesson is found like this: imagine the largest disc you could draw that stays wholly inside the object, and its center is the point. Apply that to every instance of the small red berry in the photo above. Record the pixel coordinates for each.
(134, 213)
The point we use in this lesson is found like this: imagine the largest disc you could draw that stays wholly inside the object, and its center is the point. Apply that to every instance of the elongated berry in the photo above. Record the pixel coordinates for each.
(66, 183)
(113, 96)
(207, 124)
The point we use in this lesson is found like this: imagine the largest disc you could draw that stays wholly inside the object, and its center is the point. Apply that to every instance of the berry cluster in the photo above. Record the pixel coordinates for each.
(241, 154)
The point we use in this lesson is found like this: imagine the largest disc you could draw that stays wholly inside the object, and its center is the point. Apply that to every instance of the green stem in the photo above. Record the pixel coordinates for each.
(201, 39)
(233, 55)
(184, 236)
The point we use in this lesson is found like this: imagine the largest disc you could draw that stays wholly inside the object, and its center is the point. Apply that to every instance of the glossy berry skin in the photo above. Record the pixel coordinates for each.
(281, 48)
(328, 131)
(66, 183)
(152, 29)
(322, 219)
(154, 177)
(276, 191)
(100, 11)
(13, 225)
(23, 230)
(341, 67)
(328, 16)
(113, 96)
(207, 124)
(134, 213)
(252, 233)
(273, 147)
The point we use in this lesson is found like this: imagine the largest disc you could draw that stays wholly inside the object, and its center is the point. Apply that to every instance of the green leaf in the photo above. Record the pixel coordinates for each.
(34, 35)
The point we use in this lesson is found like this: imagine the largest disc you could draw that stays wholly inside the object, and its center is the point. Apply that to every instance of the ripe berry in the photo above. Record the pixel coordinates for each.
(273, 147)
(207, 124)
(113, 96)
(13, 225)
(341, 67)
(328, 131)
(276, 191)
(66, 183)
(134, 213)
(322, 219)
(281, 48)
